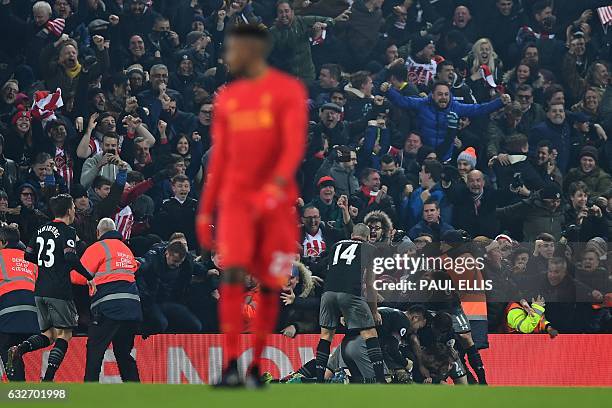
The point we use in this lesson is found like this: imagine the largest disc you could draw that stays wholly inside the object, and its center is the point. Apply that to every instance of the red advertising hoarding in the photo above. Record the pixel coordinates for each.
(568, 360)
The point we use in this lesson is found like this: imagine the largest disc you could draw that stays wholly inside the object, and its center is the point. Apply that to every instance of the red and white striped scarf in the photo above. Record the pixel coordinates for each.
(64, 165)
(45, 104)
(420, 74)
(124, 220)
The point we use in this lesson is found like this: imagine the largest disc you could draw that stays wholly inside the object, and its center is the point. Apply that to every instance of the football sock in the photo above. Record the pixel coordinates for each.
(56, 356)
(376, 357)
(231, 320)
(266, 315)
(309, 369)
(35, 342)
(322, 358)
(476, 363)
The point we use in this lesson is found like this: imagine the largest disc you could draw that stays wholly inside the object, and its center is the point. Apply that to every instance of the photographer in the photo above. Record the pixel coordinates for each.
(582, 216)
(163, 39)
(106, 163)
(516, 176)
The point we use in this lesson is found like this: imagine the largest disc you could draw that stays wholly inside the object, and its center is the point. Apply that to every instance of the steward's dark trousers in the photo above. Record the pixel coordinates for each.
(103, 332)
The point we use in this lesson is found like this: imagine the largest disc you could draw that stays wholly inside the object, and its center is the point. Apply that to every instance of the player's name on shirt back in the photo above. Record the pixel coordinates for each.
(49, 228)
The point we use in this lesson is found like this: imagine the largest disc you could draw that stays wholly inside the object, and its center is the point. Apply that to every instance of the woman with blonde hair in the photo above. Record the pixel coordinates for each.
(589, 103)
(483, 54)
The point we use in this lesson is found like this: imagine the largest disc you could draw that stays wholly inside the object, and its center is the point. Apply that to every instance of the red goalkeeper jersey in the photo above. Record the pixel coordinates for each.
(258, 134)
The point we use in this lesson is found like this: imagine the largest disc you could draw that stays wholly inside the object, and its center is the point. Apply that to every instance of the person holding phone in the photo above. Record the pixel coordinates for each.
(107, 163)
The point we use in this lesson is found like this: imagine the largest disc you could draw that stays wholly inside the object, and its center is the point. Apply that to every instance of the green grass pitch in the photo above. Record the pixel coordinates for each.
(311, 396)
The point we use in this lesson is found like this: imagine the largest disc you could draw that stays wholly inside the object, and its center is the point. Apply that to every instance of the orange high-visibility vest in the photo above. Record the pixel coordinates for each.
(108, 260)
(15, 272)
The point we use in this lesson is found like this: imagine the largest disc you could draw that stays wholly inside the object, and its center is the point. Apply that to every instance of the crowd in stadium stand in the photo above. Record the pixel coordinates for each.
(111, 101)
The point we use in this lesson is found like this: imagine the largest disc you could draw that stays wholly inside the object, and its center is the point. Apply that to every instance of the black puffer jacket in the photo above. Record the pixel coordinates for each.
(157, 283)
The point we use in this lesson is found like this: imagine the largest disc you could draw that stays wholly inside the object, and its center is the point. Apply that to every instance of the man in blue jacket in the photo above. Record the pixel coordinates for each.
(433, 110)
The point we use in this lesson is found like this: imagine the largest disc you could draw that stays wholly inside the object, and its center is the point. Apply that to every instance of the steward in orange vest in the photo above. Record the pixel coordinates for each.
(115, 306)
(18, 319)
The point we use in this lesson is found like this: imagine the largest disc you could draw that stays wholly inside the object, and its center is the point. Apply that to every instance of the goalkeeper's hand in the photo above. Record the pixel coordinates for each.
(268, 198)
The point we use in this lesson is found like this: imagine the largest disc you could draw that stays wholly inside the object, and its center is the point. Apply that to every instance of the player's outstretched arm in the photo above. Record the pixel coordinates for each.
(74, 262)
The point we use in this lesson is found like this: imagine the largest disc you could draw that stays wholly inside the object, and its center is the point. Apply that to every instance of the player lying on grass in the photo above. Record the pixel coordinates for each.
(351, 356)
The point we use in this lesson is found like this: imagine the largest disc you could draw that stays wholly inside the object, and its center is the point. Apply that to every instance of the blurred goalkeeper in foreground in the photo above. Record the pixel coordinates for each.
(265, 110)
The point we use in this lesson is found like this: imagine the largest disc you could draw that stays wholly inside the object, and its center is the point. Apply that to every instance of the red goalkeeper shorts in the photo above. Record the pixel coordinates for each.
(264, 245)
